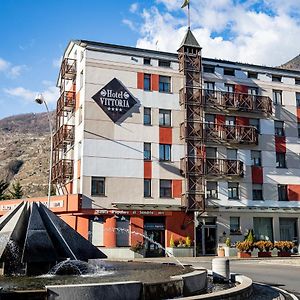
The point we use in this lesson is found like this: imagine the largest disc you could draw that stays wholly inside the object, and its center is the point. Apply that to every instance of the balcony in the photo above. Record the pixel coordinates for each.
(237, 101)
(64, 135)
(211, 167)
(62, 171)
(193, 201)
(66, 102)
(68, 69)
(219, 133)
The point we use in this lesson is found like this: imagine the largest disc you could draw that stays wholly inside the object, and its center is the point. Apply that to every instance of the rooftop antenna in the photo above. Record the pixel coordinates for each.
(187, 3)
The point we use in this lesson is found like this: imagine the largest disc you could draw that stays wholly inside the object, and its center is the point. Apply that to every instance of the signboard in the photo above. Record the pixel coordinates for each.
(115, 99)
(133, 212)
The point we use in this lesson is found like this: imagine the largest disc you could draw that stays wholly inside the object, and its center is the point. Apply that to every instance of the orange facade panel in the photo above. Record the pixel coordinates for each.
(177, 188)
(140, 80)
(294, 192)
(165, 135)
(280, 144)
(137, 230)
(148, 169)
(298, 114)
(220, 119)
(77, 103)
(257, 174)
(155, 82)
(78, 168)
(83, 226)
(110, 239)
(241, 89)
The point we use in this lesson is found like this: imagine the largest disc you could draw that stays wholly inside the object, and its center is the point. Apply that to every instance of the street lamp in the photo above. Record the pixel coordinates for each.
(40, 100)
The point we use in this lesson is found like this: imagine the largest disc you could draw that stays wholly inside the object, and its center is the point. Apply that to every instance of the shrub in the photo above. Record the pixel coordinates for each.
(284, 245)
(264, 246)
(172, 244)
(228, 242)
(250, 236)
(188, 241)
(244, 246)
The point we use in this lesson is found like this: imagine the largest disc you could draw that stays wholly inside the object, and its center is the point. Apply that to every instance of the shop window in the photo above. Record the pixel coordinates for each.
(122, 232)
(255, 123)
(235, 227)
(257, 191)
(164, 117)
(282, 192)
(263, 229)
(277, 97)
(229, 72)
(147, 188)
(147, 116)
(233, 190)
(147, 151)
(164, 152)
(165, 84)
(165, 189)
(147, 82)
(211, 190)
(256, 158)
(280, 160)
(98, 186)
(279, 128)
(208, 69)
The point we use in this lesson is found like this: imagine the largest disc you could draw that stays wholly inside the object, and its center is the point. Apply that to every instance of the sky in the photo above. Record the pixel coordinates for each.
(35, 33)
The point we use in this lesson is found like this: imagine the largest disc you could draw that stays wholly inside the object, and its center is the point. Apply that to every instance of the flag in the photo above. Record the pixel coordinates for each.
(185, 3)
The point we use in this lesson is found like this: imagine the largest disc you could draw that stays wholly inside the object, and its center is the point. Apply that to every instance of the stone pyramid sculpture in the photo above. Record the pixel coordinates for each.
(33, 239)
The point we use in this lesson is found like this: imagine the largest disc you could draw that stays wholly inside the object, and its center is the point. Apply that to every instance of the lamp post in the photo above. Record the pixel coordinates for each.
(40, 100)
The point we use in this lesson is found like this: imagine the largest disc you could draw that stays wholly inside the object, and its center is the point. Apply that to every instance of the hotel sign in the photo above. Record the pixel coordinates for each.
(115, 99)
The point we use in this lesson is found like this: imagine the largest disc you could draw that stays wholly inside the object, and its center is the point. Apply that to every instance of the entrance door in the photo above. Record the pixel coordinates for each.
(152, 249)
(206, 237)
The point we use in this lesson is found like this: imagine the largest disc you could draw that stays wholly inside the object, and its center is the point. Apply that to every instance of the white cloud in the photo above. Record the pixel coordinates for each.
(134, 7)
(252, 31)
(3, 64)
(50, 94)
(129, 24)
(57, 62)
(11, 71)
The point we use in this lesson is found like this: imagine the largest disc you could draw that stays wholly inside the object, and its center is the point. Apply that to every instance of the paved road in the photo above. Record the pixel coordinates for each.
(283, 273)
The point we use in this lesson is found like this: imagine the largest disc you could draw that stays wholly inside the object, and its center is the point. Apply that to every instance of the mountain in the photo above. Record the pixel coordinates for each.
(24, 152)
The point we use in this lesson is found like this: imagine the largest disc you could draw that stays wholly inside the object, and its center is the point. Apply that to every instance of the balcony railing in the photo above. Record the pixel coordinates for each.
(68, 69)
(193, 201)
(226, 100)
(64, 135)
(66, 102)
(211, 167)
(62, 171)
(212, 132)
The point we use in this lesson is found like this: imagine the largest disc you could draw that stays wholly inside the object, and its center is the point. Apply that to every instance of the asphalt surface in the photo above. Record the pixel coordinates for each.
(281, 273)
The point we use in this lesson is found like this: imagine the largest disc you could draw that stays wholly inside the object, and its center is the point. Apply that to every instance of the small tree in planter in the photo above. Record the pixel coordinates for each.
(139, 248)
(244, 249)
(284, 248)
(227, 246)
(264, 248)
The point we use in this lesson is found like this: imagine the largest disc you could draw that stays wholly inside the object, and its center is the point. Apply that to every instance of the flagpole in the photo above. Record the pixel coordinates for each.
(189, 17)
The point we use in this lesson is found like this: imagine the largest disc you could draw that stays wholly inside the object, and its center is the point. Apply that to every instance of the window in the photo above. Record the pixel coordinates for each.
(165, 190)
(98, 186)
(147, 151)
(279, 128)
(255, 123)
(277, 97)
(253, 75)
(298, 130)
(209, 85)
(164, 117)
(165, 84)
(147, 188)
(252, 91)
(164, 152)
(280, 160)
(164, 63)
(211, 152)
(263, 229)
(147, 116)
(233, 190)
(208, 69)
(229, 72)
(81, 55)
(257, 191)
(147, 61)
(210, 119)
(122, 234)
(232, 154)
(211, 190)
(230, 121)
(229, 88)
(235, 227)
(256, 158)
(147, 82)
(298, 99)
(282, 192)
(276, 78)
(297, 80)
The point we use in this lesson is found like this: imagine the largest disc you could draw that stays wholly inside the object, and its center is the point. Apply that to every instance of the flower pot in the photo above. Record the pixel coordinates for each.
(264, 254)
(284, 254)
(226, 249)
(244, 254)
(221, 252)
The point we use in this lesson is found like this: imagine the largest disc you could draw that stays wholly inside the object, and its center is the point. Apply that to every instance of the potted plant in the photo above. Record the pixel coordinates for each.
(284, 248)
(181, 247)
(244, 249)
(264, 248)
(227, 246)
(221, 251)
(138, 249)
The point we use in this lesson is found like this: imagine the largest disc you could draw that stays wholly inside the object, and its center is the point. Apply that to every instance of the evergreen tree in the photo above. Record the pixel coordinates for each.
(17, 192)
(3, 186)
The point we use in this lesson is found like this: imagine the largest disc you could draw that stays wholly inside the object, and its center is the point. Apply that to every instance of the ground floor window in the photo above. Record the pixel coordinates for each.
(235, 227)
(263, 228)
(122, 232)
(288, 229)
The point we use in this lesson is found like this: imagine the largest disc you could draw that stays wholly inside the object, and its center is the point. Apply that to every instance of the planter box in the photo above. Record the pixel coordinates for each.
(181, 251)
(244, 254)
(264, 254)
(221, 252)
(284, 254)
